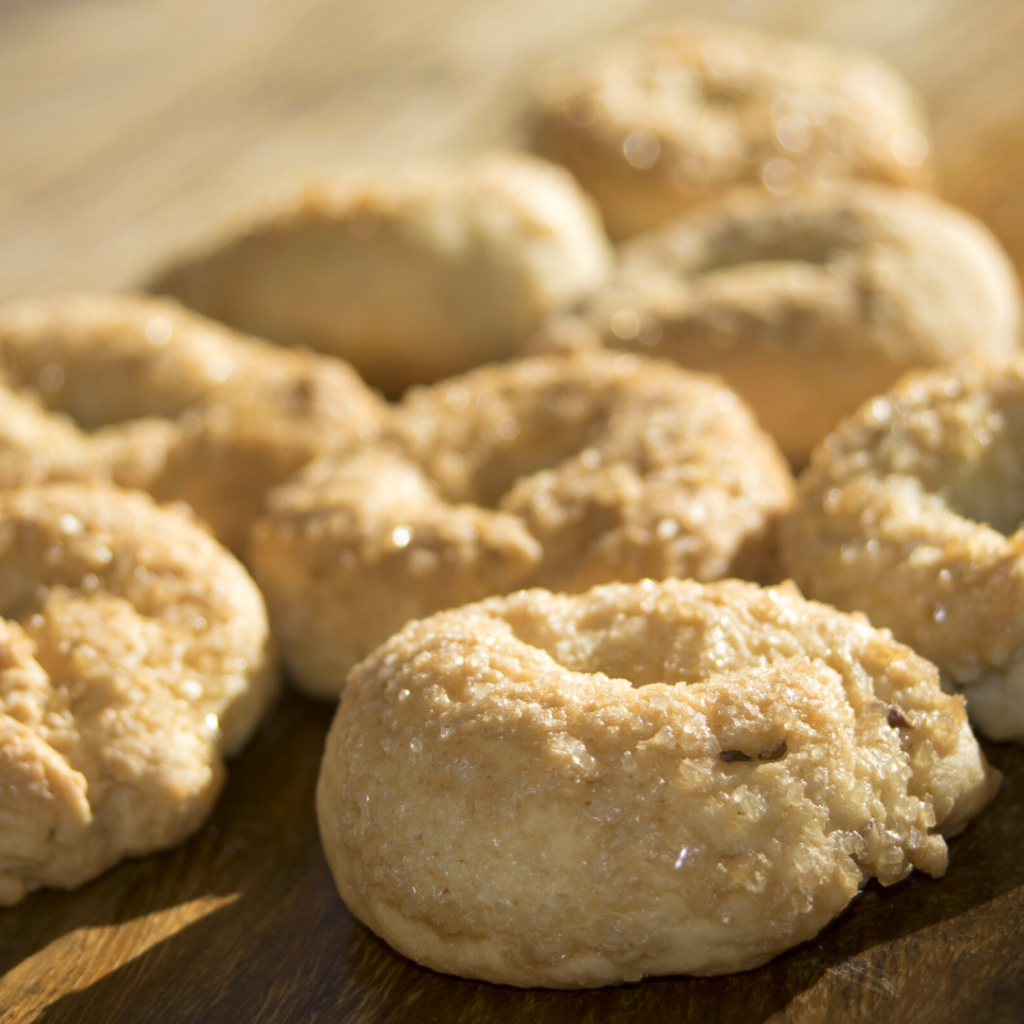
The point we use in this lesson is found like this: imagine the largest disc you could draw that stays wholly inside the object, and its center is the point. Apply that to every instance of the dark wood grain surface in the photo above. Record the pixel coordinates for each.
(124, 128)
(242, 923)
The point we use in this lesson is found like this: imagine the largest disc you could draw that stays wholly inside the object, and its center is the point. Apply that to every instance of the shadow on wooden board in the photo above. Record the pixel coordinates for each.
(283, 948)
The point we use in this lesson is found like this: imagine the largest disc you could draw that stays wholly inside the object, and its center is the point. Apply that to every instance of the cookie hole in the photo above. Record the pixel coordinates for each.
(644, 649)
(997, 511)
(982, 479)
(508, 462)
(98, 392)
(536, 426)
(779, 240)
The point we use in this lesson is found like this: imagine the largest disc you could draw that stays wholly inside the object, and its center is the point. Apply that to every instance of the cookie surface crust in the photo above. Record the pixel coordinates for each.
(145, 394)
(560, 472)
(655, 778)
(134, 656)
(656, 125)
(911, 512)
(810, 304)
(410, 276)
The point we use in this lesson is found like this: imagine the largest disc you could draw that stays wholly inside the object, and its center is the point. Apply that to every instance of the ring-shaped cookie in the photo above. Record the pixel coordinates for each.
(656, 125)
(154, 397)
(808, 305)
(562, 471)
(655, 778)
(411, 276)
(134, 656)
(911, 513)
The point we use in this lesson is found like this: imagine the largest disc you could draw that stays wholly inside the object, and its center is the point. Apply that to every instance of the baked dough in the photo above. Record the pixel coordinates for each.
(657, 124)
(809, 304)
(560, 472)
(911, 512)
(411, 277)
(134, 656)
(655, 778)
(152, 396)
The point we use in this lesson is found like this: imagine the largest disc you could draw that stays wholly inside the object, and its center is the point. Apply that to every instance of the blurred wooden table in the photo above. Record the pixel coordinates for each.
(126, 127)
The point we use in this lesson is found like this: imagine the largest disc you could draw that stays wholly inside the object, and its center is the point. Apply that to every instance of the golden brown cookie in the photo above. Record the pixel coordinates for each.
(155, 397)
(412, 276)
(655, 125)
(560, 472)
(655, 778)
(809, 304)
(134, 656)
(911, 513)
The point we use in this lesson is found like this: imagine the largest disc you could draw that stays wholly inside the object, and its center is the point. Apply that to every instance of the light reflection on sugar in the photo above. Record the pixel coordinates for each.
(780, 176)
(158, 330)
(642, 149)
(507, 429)
(457, 398)
(667, 529)
(909, 147)
(192, 689)
(70, 524)
(625, 324)
(650, 331)
(794, 133)
(219, 367)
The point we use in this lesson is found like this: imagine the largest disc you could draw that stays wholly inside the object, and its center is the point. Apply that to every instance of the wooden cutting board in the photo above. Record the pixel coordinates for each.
(125, 128)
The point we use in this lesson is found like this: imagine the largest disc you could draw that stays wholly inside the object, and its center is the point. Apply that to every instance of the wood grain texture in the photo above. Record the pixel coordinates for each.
(126, 128)
(243, 923)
